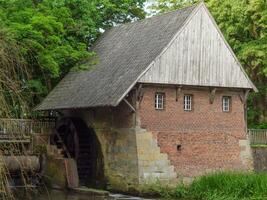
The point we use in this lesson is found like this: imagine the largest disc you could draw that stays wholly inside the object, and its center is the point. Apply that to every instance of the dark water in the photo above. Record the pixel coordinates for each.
(65, 195)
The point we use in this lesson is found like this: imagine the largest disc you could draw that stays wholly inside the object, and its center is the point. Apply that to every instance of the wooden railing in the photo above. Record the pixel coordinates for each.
(257, 136)
(26, 126)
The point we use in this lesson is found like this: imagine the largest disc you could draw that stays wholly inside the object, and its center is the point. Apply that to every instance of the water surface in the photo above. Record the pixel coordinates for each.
(66, 195)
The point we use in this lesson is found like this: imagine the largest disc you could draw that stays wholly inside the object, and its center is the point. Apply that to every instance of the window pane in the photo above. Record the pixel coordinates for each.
(187, 102)
(159, 101)
(226, 104)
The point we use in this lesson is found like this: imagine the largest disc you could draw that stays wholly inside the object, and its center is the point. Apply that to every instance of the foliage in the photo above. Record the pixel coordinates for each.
(52, 36)
(4, 190)
(257, 108)
(258, 145)
(161, 6)
(244, 24)
(219, 186)
(13, 76)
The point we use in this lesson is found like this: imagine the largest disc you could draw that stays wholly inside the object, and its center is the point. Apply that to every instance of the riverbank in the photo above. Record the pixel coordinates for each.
(218, 186)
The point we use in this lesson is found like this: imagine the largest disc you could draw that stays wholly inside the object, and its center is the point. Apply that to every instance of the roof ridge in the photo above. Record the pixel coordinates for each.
(139, 21)
(157, 16)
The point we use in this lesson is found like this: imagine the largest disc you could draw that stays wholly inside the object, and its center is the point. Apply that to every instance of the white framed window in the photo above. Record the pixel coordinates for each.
(159, 101)
(226, 103)
(188, 102)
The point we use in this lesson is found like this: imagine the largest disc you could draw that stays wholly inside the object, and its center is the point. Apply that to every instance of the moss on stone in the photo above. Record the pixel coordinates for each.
(122, 184)
(55, 175)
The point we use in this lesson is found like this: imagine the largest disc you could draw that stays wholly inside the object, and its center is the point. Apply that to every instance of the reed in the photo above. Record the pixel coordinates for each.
(5, 192)
(13, 101)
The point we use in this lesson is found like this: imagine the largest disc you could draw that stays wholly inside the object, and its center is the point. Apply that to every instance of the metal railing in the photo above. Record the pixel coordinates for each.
(26, 126)
(257, 136)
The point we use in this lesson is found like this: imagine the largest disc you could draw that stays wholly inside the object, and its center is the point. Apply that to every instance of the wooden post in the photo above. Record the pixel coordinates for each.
(212, 95)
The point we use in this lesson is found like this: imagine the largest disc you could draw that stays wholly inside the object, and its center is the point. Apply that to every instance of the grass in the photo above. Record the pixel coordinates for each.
(259, 145)
(219, 186)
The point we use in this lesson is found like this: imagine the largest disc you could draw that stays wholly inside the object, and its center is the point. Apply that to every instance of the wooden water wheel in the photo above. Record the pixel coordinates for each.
(66, 137)
(81, 143)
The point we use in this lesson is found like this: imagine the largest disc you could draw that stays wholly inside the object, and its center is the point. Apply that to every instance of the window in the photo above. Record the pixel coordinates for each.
(226, 104)
(159, 101)
(187, 102)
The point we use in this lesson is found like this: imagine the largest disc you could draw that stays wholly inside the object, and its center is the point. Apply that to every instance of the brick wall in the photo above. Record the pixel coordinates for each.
(209, 139)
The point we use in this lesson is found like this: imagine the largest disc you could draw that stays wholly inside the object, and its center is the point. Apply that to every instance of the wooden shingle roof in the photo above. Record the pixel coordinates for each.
(124, 53)
(163, 49)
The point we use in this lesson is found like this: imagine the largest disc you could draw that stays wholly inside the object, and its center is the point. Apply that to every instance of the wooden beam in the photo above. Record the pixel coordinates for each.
(178, 92)
(15, 141)
(244, 96)
(63, 144)
(127, 102)
(212, 95)
(140, 92)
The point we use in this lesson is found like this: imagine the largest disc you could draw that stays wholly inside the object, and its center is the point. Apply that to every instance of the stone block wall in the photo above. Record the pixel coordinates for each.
(153, 165)
(198, 141)
(120, 158)
(115, 131)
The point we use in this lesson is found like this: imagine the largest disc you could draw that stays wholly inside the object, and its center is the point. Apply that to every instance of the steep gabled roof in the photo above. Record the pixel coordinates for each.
(133, 52)
(124, 52)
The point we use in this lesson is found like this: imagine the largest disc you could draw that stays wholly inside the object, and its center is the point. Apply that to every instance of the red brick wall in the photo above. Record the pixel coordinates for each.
(209, 138)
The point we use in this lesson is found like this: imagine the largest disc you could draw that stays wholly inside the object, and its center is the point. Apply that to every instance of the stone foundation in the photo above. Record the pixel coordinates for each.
(152, 164)
(246, 154)
(120, 158)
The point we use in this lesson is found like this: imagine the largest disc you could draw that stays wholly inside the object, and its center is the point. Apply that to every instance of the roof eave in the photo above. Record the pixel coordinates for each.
(37, 108)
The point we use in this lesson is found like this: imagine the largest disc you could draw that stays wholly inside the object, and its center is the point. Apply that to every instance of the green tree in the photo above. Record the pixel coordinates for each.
(244, 25)
(161, 6)
(13, 74)
(53, 35)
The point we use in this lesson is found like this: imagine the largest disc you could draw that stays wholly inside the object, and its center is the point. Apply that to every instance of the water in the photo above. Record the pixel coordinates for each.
(65, 195)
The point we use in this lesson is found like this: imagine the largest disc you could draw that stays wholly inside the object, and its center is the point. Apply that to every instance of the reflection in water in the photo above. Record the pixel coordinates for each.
(65, 195)
(59, 195)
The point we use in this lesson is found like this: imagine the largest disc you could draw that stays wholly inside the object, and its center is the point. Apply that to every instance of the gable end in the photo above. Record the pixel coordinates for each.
(199, 56)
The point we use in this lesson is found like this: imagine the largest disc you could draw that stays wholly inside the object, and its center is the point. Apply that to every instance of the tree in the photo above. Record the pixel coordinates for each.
(53, 36)
(161, 6)
(244, 25)
(13, 75)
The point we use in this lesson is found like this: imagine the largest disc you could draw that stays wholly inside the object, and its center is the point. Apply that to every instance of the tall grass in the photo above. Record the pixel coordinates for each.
(223, 186)
(5, 192)
(14, 76)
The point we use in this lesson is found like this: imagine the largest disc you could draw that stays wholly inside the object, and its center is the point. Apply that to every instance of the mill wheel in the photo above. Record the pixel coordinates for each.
(83, 145)
(67, 136)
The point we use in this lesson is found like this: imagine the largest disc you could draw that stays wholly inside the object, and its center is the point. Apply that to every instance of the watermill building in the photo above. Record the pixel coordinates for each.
(166, 101)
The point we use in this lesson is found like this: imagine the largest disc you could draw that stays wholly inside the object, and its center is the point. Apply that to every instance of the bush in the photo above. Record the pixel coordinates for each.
(224, 186)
